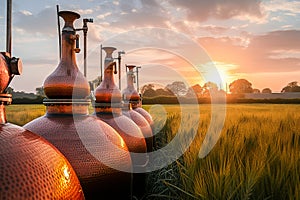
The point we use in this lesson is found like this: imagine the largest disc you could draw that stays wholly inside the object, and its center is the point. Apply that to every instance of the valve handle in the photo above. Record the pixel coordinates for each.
(77, 49)
(16, 66)
(115, 71)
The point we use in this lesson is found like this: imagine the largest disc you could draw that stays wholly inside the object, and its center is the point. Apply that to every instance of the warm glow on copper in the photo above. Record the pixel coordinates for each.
(65, 178)
(66, 173)
(122, 143)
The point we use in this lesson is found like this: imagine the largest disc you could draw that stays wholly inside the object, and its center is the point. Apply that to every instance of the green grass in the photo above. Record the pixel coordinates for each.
(256, 157)
(21, 114)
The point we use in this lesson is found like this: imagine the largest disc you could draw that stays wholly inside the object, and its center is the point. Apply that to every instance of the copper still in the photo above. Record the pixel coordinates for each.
(136, 100)
(94, 149)
(108, 107)
(131, 96)
(30, 167)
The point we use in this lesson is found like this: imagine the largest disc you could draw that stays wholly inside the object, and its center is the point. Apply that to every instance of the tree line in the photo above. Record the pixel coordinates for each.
(170, 92)
(239, 86)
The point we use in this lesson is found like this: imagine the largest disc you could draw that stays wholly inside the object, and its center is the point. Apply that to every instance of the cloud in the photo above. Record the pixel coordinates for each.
(26, 12)
(142, 13)
(217, 30)
(276, 51)
(292, 7)
(283, 54)
(85, 12)
(43, 22)
(103, 16)
(219, 9)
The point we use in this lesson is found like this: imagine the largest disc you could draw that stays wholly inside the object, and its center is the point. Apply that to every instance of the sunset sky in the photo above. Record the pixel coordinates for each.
(189, 40)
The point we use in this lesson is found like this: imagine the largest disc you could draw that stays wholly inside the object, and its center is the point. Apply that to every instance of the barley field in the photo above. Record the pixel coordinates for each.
(256, 157)
(21, 114)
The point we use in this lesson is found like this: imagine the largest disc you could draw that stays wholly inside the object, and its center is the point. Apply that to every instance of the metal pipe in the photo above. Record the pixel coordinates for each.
(137, 79)
(119, 62)
(85, 30)
(58, 29)
(84, 54)
(101, 67)
(8, 26)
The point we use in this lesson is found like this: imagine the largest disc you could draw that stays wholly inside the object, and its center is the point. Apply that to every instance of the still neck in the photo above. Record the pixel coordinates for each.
(108, 78)
(68, 48)
(130, 80)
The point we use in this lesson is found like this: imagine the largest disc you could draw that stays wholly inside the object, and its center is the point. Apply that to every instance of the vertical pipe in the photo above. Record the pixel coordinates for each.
(101, 68)
(84, 52)
(119, 59)
(58, 29)
(8, 26)
(137, 79)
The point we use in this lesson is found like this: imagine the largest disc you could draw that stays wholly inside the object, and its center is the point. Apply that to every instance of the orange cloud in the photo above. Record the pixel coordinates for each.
(258, 56)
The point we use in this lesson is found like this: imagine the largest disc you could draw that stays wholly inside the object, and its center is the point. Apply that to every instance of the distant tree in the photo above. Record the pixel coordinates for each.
(39, 91)
(209, 88)
(177, 87)
(195, 90)
(257, 91)
(291, 87)
(148, 90)
(266, 91)
(240, 86)
(164, 92)
(147, 87)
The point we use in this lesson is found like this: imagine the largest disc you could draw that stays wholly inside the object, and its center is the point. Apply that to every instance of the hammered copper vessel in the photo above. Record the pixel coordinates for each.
(131, 96)
(67, 82)
(137, 106)
(30, 167)
(108, 107)
(94, 149)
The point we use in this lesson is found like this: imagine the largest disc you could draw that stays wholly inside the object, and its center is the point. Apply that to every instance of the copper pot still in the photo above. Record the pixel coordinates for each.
(30, 167)
(130, 94)
(94, 149)
(130, 97)
(108, 107)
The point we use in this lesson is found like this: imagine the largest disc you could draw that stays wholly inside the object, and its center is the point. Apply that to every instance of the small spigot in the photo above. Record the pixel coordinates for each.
(76, 38)
(115, 71)
(133, 77)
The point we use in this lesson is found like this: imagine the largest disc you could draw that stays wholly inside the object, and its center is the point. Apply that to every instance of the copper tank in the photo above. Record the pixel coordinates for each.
(131, 96)
(94, 149)
(30, 167)
(108, 107)
(135, 99)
